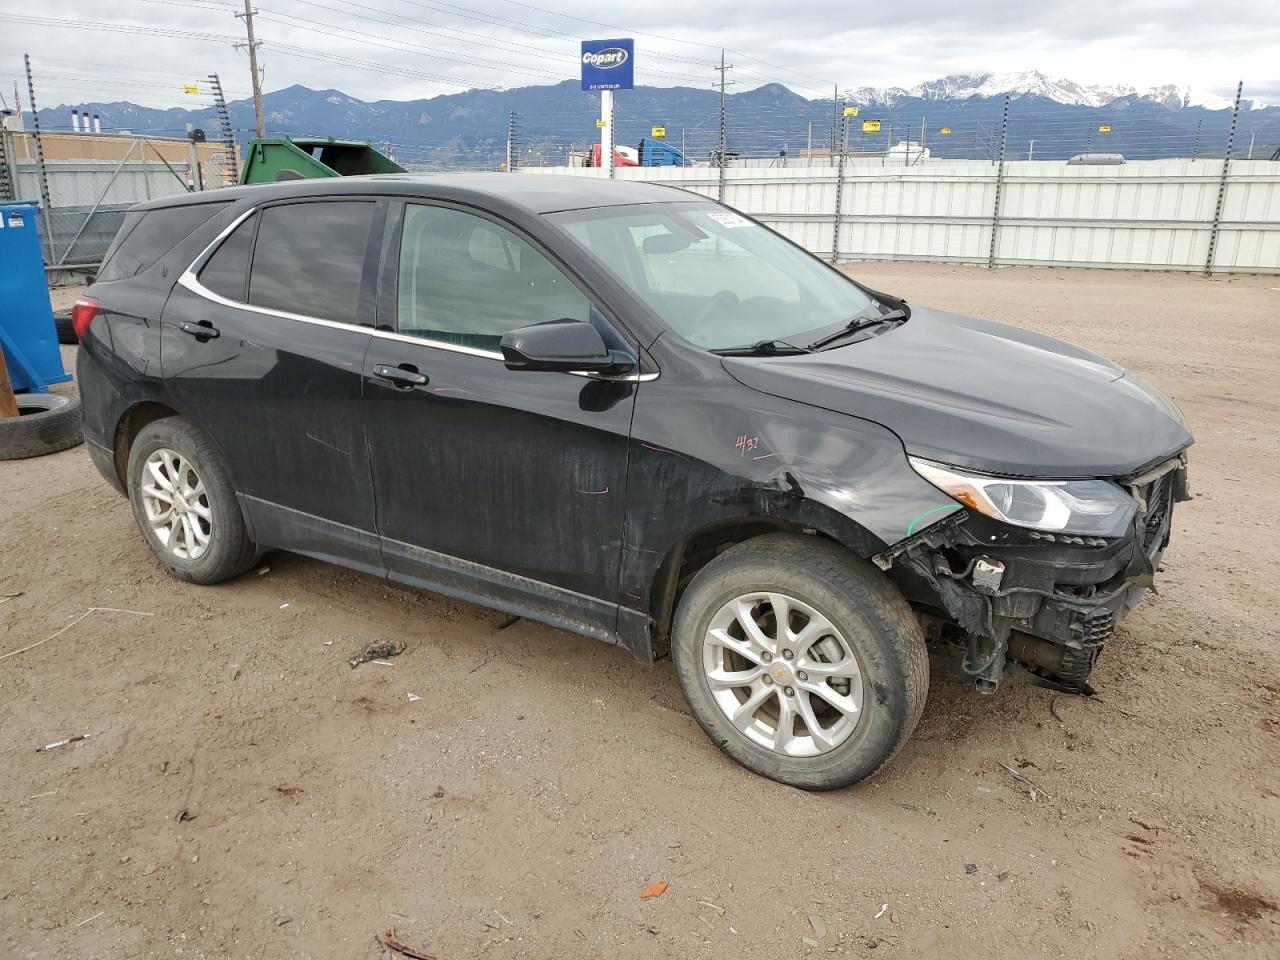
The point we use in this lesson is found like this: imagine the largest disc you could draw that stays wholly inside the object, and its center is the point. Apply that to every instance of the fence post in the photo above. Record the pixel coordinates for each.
(44, 176)
(1222, 182)
(995, 210)
(835, 233)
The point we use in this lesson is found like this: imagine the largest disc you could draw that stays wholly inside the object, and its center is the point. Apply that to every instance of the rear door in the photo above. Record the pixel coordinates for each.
(262, 347)
(506, 486)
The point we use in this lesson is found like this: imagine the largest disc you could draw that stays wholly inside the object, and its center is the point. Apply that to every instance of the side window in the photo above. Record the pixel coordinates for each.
(467, 280)
(226, 273)
(148, 235)
(309, 258)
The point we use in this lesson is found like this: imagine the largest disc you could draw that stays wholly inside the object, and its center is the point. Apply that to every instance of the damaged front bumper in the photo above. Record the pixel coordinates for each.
(1048, 601)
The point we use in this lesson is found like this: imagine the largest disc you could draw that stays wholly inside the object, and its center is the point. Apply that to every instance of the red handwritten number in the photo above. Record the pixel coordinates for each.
(746, 443)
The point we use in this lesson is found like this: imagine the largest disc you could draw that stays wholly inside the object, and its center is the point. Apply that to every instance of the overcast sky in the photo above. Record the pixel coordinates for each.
(405, 49)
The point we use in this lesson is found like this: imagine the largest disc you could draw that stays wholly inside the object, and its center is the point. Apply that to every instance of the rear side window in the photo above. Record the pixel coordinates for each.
(227, 272)
(309, 258)
(151, 234)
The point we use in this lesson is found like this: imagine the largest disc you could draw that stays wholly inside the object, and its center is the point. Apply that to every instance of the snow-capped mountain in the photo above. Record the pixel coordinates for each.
(1034, 83)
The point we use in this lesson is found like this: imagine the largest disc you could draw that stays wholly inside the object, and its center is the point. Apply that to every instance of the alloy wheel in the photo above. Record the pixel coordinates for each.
(176, 504)
(783, 674)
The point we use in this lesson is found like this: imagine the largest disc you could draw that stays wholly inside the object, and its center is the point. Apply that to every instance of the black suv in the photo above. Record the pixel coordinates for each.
(636, 414)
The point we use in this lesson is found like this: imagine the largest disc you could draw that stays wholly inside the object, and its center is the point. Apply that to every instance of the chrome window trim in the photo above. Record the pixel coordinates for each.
(191, 282)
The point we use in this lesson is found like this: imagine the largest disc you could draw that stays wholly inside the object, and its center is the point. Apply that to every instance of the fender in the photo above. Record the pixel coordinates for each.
(710, 454)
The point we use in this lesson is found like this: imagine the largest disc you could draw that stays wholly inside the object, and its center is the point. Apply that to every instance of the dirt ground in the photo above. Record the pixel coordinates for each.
(245, 793)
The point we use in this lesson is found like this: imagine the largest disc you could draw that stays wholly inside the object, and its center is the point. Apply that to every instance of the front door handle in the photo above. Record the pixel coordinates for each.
(404, 374)
(201, 329)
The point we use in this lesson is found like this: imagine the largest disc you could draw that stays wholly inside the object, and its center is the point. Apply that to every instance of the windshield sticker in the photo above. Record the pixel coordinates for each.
(727, 219)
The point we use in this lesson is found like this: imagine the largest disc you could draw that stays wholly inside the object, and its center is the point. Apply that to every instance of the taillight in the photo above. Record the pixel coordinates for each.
(82, 313)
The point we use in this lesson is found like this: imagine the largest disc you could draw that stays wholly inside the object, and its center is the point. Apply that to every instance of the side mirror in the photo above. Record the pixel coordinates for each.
(561, 345)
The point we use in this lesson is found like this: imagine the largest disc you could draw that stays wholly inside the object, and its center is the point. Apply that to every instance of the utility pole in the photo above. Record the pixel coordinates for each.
(247, 17)
(723, 159)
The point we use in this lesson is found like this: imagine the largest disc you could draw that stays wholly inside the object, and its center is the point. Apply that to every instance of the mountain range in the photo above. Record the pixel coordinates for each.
(470, 128)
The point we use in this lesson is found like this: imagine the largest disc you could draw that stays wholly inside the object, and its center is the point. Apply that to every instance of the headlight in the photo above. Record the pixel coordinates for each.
(1091, 508)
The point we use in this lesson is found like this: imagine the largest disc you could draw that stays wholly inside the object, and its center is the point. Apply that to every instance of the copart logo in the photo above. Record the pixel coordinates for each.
(605, 59)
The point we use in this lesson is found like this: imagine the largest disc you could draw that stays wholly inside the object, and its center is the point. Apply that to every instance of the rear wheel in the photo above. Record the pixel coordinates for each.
(185, 505)
(800, 661)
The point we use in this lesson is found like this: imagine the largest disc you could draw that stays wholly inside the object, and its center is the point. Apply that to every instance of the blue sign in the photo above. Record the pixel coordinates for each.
(608, 64)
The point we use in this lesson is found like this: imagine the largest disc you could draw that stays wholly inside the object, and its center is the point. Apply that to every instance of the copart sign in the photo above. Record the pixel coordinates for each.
(608, 64)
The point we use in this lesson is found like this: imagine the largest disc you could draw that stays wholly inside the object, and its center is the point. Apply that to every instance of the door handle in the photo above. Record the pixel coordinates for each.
(201, 329)
(404, 375)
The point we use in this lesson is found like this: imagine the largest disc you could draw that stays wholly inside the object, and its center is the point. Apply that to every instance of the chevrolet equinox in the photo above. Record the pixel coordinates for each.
(634, 413)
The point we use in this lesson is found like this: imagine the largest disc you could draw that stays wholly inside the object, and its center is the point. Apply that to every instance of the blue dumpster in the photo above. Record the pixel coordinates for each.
(27, 333)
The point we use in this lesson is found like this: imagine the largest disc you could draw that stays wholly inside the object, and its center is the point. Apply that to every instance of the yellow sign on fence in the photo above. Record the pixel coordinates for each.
(602, 124)
(850, 111)
(945, 131)
(658, 132)
(190, 88)
(1104, 128)
(870, 126)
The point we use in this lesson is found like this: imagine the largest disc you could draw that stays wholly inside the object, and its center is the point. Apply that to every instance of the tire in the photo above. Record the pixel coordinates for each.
(221, 548)
(66, 331)
(46, 423)
(872, 626)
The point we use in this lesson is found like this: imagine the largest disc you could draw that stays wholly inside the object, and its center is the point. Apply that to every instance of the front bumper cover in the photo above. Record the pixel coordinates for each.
(1058, 590)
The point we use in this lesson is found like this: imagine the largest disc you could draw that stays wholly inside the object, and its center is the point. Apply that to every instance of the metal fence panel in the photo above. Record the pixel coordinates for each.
(1150, 214)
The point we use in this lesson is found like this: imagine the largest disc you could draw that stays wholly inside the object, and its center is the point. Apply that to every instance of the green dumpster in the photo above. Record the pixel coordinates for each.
(295, 158)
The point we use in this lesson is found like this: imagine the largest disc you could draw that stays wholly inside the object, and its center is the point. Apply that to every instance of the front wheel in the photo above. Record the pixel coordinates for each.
(185, 505)
(800, 661)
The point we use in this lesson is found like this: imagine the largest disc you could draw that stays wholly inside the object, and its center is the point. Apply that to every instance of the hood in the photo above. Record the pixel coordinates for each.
(984, 395)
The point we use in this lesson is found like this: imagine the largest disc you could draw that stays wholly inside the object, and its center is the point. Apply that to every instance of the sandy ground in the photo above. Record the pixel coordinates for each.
(245, 793)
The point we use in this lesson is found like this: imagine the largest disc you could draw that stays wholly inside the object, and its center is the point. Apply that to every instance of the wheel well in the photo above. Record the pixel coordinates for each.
(694, 552)
(134, 419)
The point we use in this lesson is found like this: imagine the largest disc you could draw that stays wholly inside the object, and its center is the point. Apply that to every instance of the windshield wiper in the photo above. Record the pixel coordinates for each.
(763, 348)
(860, 322)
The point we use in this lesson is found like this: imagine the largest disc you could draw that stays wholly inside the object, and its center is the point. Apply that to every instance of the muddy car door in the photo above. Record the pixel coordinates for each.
(498, 484)
(262, 342)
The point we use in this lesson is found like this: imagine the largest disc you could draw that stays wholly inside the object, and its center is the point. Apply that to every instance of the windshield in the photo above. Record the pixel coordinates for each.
(713, 276)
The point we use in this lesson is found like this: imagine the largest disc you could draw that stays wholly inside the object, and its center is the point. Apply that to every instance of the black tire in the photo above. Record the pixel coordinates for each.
(66, 330)
(861, 602)
(46, 423)
(230, 551)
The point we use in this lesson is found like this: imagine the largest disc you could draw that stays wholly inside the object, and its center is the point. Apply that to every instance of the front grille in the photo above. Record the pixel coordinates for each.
(1159, 497)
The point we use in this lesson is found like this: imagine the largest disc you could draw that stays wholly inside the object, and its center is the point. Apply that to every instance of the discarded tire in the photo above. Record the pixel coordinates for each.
(66, 331)
(46, 423)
